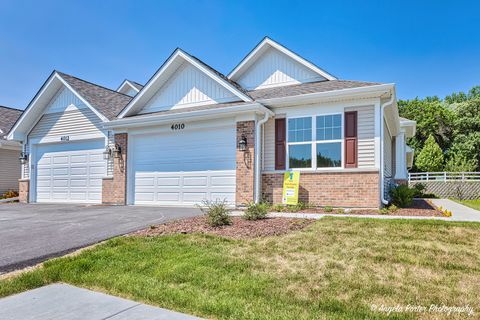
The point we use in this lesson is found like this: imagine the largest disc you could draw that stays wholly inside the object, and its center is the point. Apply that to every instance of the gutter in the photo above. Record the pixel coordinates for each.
(157, 119)
(343, 94)
(258, 147)
(382, 167)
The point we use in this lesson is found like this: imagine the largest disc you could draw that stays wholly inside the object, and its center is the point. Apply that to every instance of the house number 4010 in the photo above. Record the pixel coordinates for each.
(178, 126)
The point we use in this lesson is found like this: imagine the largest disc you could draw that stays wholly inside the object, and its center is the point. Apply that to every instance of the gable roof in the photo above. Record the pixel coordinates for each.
(107, 101)
(168, 68)
(104, 102)
(131, 84)
(258, 51)
(306, 88)
(8, 117)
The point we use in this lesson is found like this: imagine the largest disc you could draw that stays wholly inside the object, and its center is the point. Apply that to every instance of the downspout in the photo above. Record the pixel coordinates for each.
(382, 142)
(258, 149)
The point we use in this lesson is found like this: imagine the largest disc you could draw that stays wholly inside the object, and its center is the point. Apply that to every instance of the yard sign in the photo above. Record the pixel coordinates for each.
(291, 181)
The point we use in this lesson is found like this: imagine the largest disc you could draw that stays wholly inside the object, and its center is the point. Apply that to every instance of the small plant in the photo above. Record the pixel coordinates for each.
(216, 212)
(10, 194)
(328, 209)
(256, 211)
(340, 211)
(388, 210)
(278, 208)
(402, 196)
(153, 227)
(298, 207)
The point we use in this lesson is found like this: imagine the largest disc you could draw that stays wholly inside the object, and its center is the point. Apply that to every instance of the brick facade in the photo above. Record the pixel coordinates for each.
(339, 189)
(245, 163)
(119, 182)
(108, 193)
(23, 190)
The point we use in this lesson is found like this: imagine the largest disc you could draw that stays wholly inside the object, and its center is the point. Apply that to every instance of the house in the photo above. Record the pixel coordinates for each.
(192, 133)
(9, 151)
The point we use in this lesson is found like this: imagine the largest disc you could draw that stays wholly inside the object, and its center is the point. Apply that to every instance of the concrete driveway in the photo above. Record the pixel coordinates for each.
(31, 233)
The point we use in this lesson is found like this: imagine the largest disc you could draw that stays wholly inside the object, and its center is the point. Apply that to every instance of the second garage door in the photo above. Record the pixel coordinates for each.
(183, 168)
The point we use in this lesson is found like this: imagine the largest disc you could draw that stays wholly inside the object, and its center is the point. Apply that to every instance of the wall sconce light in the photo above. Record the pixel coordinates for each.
(23, 157)
(112, 152)
(107, 154)
(242, 144)
(117, 151)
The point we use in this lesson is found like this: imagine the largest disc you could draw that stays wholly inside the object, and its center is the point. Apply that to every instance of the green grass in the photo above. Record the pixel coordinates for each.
(335, 269)
(474, 204)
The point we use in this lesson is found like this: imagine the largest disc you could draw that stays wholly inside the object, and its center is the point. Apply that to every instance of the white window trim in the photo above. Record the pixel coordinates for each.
(314, 143)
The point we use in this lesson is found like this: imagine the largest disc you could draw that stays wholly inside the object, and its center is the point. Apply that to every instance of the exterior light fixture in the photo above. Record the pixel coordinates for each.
(107, 154)
(23, 157)
(242, 144)
(117, 151)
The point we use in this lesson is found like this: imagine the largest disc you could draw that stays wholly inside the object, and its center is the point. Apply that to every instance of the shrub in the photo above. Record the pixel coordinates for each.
(10, 194)
(402, 196)
(216, 212)
(256, 211)
(388, 210)
(328, 209)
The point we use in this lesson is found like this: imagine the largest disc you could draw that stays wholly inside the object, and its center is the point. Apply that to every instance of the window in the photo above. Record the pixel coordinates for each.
(300, 142)
(329, 128)
(319, 146)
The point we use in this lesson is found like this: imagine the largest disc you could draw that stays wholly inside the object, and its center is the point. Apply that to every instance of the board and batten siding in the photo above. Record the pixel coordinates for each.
(186, 88)
(274, 68)
(9, 170)
(365, 135)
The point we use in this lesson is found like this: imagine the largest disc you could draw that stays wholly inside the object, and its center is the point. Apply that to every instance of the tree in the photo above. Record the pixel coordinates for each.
(430, 157)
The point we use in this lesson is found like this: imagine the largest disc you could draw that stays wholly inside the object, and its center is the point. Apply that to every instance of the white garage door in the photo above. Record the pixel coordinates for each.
(184, 167)
(70, 172)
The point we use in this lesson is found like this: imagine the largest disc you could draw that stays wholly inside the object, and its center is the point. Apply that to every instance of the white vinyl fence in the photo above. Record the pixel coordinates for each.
(461, 185)
(443, 176)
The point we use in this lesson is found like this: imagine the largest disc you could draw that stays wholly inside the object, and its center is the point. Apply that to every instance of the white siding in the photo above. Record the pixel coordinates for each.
(65, 100)
(366, 135)
(275, 68)
(366, 138)
(269, 146)
(9, 170)
(188, 87)
(387, 152)
(74, 122)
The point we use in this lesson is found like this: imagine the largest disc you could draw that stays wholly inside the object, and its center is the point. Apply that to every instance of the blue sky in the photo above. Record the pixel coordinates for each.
(425, 47)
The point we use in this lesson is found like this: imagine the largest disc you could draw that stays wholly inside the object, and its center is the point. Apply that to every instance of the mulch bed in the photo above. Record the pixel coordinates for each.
(420, 207)
(239, 229)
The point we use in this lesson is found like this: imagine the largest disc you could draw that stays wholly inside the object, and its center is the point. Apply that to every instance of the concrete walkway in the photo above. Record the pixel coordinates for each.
(459, 211)
(62, 301)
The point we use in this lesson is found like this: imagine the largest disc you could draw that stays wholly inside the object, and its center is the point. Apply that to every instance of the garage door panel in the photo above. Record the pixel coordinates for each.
(70, 172)
(184, 168)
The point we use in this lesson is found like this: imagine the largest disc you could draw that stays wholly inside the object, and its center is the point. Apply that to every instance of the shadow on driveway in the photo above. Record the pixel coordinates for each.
(32, 233)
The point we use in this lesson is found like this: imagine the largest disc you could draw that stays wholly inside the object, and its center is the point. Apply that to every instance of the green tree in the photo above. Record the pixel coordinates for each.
(430, 157)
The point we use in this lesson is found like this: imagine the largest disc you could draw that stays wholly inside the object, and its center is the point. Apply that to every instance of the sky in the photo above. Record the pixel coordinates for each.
(426, 47)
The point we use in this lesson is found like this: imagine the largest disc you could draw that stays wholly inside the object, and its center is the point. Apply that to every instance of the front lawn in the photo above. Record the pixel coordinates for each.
(334, 269)
(474, 204)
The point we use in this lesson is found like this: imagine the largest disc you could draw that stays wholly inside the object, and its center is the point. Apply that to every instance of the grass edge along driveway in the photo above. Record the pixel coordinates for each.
(474, 204)
(334, 269)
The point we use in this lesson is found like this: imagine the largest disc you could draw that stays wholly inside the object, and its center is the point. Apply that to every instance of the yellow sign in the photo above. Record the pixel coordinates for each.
(291, 181)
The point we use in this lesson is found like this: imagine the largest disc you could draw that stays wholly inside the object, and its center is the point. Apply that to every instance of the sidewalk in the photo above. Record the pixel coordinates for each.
(459, 213)
(62, 301)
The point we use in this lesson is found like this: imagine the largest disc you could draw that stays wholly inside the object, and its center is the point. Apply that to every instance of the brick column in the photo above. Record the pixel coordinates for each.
(23, 190)
(245, 163)
(120, 171)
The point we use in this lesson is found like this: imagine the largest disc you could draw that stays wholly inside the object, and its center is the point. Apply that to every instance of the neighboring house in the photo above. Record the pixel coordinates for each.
(9, 151)
(192, 133)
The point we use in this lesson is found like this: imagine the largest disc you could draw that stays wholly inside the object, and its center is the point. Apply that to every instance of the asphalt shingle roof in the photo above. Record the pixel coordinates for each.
(107, 101)
(8, 117)
(310, 87)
